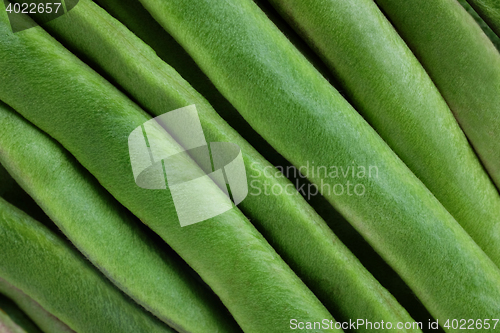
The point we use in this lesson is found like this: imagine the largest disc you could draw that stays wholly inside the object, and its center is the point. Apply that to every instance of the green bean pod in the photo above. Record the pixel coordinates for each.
(46, 321)
(15, 195)
(135, 17)
(66, 191)
(385, 83)
(495, 39)
(489, 10)
(11, 316)
(285, 219)
(462, 62)
(62, 281)
(306, 120)
(93, 120)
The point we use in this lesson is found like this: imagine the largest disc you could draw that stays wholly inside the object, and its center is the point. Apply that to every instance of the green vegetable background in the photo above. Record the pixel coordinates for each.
(369, 133)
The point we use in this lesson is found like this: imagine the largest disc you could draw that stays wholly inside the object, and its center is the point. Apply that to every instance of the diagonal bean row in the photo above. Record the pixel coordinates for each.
(298, 234)
(298, 112)
(93, 120)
